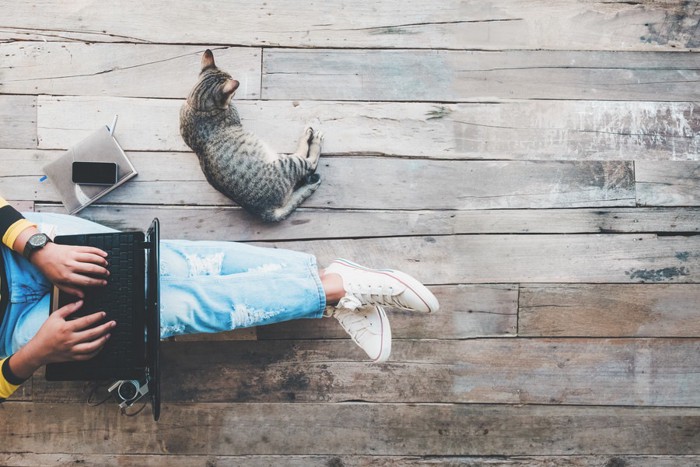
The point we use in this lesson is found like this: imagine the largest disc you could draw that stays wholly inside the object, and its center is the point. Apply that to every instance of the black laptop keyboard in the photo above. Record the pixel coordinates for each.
(123, 300)
(118, 301)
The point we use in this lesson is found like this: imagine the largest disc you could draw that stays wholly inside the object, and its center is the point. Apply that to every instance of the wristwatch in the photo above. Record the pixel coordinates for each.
(35, 242)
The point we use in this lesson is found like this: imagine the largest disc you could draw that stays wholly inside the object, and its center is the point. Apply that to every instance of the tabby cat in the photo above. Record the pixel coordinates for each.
(235, 161)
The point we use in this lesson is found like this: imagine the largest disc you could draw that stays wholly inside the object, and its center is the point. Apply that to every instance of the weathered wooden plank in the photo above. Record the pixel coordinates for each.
(22, 206)
(488, 259)
(504, 24)
(338, 429)
(243, 334)
(177, 179)
(18, 120)
(586, 130)
(232, 223)
(512, 259)
(464, 76)
(676, 184)
(129, 460)
(632, 372)
(70, 68)
(610, 310)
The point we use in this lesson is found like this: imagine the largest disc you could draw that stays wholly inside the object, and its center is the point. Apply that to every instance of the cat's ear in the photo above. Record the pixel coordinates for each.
(230, 87)
(208, 60)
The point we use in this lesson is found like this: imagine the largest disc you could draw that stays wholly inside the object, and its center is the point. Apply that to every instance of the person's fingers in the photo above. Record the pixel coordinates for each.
(90, 258)
(93, 250)
(93, 333)
(88, 321)
(69, 309)
(85, 281)
(88, 350)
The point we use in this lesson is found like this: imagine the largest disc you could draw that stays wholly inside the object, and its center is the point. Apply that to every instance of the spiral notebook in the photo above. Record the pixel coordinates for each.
(100, 146)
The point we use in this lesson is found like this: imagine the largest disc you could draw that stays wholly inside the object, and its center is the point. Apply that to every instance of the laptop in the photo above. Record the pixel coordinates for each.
(131, 298)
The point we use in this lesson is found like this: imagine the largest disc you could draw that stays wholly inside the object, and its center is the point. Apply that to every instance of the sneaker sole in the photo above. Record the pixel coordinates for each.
(385, 349)
(421, 291)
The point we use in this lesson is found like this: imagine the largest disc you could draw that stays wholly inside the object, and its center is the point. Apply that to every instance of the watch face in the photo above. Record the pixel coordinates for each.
(38, 240)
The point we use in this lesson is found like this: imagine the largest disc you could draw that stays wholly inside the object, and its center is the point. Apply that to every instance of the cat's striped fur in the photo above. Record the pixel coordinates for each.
(238, 163)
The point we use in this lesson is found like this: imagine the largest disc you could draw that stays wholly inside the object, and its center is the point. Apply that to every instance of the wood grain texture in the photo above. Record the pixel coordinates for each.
(474, 24)
(675, 184)
(530, 130)
(653, 310)
(520, 184)
(232, 223)
(18, 120)
(130, 70)
(456, 76)
(631, 372)
(129, 460)
(355, 428)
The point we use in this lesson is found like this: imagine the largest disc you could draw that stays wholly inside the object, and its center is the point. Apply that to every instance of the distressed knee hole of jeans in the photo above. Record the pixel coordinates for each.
(244, 316)
(205, 265)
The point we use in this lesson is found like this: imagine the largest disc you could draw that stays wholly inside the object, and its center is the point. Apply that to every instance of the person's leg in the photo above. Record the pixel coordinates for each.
(220, 286)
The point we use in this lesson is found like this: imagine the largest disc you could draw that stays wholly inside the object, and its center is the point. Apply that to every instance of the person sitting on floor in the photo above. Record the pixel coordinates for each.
(206, 286)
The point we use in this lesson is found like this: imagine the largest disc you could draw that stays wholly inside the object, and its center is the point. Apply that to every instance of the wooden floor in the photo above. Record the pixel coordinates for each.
(535, 162)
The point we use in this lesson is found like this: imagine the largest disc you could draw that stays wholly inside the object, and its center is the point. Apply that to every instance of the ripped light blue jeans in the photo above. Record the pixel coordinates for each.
(206, 286)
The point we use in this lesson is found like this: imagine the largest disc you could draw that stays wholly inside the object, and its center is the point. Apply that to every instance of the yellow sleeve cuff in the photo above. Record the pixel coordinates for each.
(6, 388)
(13, 232)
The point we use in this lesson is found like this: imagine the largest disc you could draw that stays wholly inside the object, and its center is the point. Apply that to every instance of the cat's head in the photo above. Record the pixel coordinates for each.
(215, 87)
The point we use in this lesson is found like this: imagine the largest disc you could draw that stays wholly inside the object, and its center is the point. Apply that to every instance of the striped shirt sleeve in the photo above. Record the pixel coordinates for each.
(12, 223)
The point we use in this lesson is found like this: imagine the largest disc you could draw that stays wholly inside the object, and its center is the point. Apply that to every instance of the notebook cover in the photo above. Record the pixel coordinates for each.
(100, 146)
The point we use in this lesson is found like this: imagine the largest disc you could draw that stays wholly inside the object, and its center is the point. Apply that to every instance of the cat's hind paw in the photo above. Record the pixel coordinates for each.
(308, 135)
(313, 179)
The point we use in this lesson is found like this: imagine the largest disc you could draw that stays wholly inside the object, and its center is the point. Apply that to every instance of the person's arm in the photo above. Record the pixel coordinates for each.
(58, 340)
(68, 267)
(12, 224)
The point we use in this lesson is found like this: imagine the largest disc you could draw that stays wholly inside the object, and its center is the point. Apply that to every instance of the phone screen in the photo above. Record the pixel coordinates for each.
(95, 173)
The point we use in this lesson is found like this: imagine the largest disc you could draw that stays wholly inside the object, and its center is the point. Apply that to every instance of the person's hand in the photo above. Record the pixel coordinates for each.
(71, 268)
(60, 340)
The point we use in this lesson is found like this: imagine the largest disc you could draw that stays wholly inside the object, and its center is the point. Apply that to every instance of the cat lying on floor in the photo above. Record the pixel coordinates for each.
(238, 163)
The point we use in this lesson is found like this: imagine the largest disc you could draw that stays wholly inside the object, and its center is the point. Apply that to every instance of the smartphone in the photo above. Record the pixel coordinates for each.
(95, 173)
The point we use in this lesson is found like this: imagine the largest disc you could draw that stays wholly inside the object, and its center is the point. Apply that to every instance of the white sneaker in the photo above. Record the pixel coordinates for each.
(368, 327)
(386, 287)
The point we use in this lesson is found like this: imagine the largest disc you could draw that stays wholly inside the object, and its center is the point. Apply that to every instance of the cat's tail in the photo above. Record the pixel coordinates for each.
(298, 196)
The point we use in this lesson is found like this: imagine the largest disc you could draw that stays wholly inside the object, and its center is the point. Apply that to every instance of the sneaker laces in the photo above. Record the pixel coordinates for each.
(348, 302)
(378, 295)
(355, 324)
